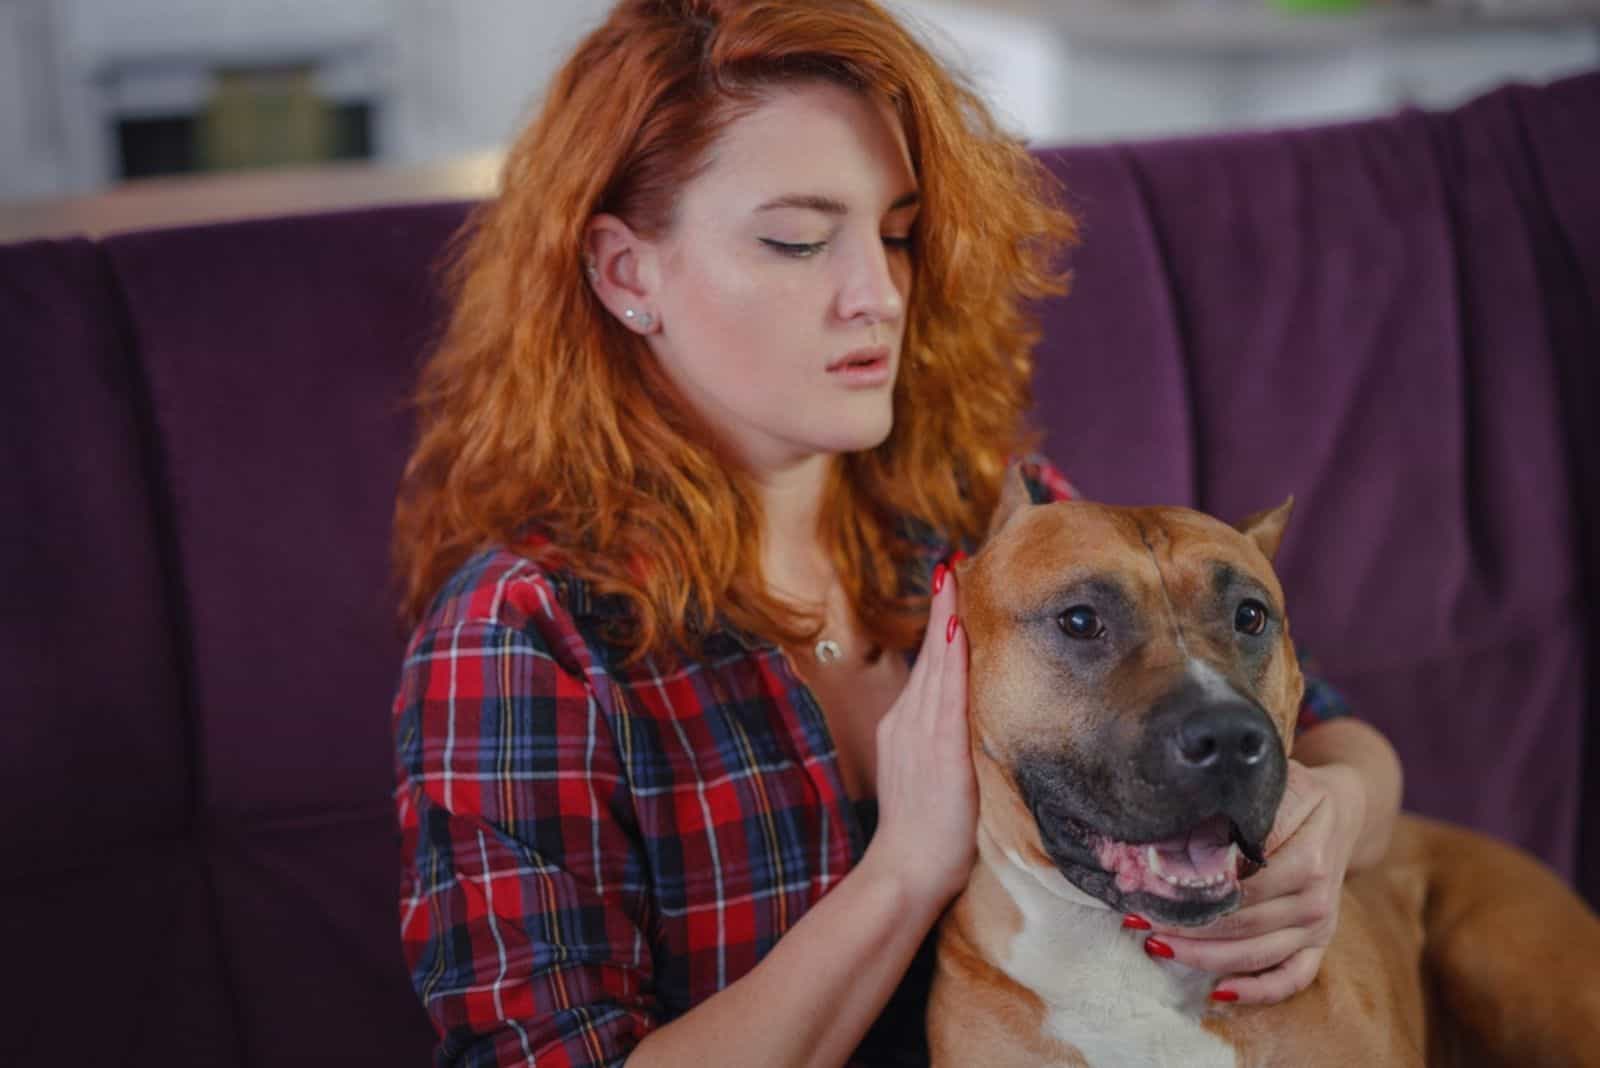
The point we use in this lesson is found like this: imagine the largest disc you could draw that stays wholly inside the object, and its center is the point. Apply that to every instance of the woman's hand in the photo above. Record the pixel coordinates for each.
(1273, 946)
(927, 791)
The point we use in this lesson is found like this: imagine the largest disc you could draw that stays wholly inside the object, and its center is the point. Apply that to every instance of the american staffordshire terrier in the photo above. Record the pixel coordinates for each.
(1133, 700)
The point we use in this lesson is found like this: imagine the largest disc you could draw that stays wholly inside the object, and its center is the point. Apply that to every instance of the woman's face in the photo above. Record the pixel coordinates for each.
(782, 283)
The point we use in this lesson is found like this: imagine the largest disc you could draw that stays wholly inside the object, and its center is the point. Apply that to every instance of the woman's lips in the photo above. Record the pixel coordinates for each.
(863, 367)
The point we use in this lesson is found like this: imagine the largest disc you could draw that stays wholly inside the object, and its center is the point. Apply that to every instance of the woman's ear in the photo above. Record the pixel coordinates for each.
(621, 268)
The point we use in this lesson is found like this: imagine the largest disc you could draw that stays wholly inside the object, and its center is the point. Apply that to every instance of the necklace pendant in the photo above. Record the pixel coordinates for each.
(827, 651)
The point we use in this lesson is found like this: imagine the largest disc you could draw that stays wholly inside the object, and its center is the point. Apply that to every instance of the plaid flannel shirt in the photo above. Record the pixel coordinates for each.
(590, 850)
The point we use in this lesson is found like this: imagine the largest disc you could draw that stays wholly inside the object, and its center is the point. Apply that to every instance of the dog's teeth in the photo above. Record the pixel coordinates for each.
(1231, 861)
(1152, 859)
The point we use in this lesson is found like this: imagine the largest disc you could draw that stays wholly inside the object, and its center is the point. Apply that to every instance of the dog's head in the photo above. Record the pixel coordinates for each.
(1133, 695)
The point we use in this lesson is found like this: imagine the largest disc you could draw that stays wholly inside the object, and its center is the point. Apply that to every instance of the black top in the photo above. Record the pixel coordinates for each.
(898, 1038)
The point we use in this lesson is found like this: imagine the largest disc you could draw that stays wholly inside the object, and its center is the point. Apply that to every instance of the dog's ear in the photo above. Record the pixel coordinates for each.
(1266, 528)
(1016, 493)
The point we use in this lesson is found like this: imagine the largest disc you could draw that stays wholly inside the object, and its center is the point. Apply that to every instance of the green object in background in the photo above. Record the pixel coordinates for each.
(1319, 5)
(265, 118)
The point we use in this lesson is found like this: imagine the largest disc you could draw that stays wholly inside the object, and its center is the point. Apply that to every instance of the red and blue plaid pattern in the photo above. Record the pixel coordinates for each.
(591, 850)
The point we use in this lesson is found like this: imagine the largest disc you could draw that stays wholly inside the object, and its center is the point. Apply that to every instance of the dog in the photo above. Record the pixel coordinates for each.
(1132, 705)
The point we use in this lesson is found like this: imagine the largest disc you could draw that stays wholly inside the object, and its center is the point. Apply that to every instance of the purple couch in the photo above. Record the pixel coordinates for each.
(201, 432)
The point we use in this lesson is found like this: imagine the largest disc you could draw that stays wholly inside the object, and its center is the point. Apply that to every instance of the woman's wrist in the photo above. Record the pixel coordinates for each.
(893, 879)
(1363, 772)
(1352, 805)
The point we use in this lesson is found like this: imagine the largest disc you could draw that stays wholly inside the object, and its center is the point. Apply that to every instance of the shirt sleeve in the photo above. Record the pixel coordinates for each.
(1321, 702)
(1046, 484)
(522, 904)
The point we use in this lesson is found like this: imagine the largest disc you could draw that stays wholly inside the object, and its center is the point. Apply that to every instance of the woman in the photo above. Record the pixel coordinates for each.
(735, 367)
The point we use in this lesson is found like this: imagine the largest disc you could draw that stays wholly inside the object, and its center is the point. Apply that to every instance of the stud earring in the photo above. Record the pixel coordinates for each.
(643, 320)
(591, 270)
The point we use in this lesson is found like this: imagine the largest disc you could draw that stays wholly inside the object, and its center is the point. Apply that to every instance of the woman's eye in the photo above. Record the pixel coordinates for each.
(1251, 618)
(1081, 622)
(798, 251)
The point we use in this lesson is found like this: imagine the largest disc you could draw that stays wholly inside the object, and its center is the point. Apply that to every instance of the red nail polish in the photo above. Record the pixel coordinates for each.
(960, 555)
(1131, 922)
(938, 577)
(1224, 995)
(950, 629)
(1157, 948)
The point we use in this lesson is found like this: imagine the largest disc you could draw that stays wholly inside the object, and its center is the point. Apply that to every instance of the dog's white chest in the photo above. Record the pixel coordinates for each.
(1106, 998)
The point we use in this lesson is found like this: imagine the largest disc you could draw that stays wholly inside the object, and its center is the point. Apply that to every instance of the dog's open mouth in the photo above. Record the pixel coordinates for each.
(1203, 865)
(1187, 879)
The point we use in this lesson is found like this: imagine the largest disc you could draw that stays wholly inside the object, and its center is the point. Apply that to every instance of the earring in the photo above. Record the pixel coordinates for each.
(591, 270)
(643, 320)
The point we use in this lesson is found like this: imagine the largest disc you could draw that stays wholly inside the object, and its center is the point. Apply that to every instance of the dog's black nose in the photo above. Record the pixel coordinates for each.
(1224, 737)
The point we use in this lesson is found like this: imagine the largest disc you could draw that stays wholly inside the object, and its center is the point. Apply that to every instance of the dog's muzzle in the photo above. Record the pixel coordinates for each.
(1169, 828)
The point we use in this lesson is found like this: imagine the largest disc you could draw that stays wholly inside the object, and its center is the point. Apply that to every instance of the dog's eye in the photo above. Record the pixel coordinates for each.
(1081, 622)
(1251, 618)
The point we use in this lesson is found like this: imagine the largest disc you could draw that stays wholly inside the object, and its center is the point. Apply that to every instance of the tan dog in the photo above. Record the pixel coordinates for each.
(1133, 699)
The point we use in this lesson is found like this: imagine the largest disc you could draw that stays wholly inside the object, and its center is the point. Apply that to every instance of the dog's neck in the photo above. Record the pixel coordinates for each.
(1102, 990)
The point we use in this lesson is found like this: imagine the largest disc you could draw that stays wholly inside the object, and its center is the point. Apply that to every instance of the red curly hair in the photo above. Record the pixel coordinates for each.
(533, 413)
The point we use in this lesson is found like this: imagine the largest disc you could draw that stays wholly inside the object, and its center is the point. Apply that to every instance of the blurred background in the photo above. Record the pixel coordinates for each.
(123, 113)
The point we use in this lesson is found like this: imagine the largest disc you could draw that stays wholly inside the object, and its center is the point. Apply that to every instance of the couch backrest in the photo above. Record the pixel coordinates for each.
(103, 889)
(202, 431)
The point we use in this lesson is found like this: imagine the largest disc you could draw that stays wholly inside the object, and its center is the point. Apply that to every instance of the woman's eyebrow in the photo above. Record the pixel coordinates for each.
(829, 205)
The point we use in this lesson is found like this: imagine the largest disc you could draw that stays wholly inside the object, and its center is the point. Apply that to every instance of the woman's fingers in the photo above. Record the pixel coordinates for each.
(1249, 922)
(953, 671)
(1240, 957)
(916, 710)
(1292, 897)
(934, 656)
(1276, 984)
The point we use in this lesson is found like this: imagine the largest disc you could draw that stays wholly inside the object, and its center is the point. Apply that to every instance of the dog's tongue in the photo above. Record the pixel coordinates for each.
(1205, 862)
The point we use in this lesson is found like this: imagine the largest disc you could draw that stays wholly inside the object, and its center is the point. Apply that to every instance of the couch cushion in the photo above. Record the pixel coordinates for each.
(1356, 315)
(280, 354)
(103, 901)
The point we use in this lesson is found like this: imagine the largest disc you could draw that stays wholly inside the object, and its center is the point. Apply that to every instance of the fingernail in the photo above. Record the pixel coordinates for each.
(1224, 995)
(938, 577)
(960, 555)
(950, 629)
(1157, 948)
(1131, 922)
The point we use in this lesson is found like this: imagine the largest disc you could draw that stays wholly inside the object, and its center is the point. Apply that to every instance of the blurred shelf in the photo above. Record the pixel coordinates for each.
(1212, 26)
(189, 200)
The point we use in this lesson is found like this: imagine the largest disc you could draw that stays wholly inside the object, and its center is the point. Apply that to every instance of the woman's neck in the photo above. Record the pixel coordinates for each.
(793, 561)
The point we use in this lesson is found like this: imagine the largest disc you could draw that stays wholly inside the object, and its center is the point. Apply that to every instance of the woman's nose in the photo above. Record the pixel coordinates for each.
(872, 287)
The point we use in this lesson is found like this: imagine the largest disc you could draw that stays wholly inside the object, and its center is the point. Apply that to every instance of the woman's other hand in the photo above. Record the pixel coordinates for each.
(1273, 946)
